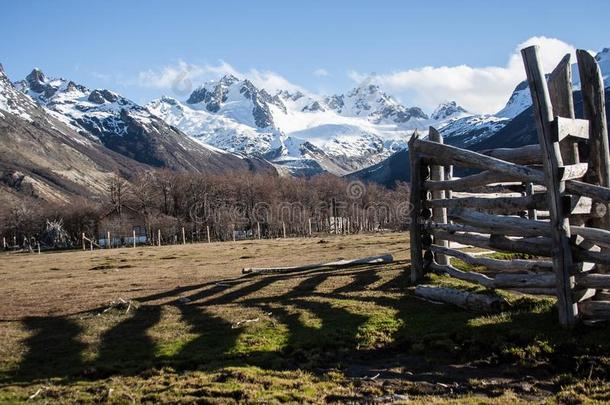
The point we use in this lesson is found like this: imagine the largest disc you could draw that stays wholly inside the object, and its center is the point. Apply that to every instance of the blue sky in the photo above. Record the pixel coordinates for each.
(134, 47)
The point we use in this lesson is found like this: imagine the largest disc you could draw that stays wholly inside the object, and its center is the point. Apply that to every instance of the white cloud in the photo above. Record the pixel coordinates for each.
(183, 77)
(478, 89)
(321, 72)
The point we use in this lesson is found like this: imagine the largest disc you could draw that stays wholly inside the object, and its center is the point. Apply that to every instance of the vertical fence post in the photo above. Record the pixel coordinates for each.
(594, 108)
(309, 226)
(529, 191)
(439, 215)
(183, 236)
(560, 92)
(207, 230)
(109, 242)
(83, 238)
(134, 238)
(417, 260)
(560, 227)
(258, 229)
(158, 237)
(284, 229)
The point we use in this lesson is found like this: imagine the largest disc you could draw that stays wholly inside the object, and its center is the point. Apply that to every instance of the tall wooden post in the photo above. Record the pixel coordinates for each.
(109, 241)
(134, 238)
(158, 237)
(183, 236)
(309, 226)
(560, 227)
(258, 229)
(233, 232)
(560, 92)
(4, 242)
(439, 215)
(415, 227)
(207, 230)
(594, 108)
(83, 238)
(284, 229)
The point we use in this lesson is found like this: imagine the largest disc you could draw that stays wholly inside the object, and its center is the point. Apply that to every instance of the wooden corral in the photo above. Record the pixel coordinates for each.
(549, 200)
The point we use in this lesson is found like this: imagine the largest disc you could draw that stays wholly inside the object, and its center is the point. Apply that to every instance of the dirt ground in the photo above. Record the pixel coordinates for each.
(64, 283)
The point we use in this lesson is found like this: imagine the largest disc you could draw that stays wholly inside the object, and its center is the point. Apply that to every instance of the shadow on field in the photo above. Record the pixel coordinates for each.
(54, 349)
(437, 334)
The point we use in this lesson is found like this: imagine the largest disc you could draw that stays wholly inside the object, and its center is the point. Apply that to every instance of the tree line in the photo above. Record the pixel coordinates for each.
(241, 203)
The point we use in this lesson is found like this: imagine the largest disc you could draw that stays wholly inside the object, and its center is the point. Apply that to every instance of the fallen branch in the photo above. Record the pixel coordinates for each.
(462, 299)
(381, 259)
(238, 324)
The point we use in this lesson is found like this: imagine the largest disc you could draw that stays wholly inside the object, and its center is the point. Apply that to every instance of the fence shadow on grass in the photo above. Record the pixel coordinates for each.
(55, 350)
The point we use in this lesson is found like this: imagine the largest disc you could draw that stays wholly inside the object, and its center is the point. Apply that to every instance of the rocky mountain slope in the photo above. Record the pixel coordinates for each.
(125, 127)
(42, 157)
(59, 139)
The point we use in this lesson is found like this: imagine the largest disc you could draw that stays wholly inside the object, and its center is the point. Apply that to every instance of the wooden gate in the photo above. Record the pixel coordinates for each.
(549, 200)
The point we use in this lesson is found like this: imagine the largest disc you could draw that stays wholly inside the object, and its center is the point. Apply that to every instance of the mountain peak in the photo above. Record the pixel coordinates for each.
(449, 109)
(36, 80)
(228, 80)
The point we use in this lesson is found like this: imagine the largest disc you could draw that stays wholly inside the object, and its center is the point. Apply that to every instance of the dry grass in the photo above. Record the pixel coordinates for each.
(315, 336)
(71, 282)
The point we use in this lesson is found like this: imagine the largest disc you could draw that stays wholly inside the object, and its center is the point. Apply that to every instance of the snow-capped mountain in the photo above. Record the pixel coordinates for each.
(298, 132)
(370, 102)
(124, 126)
(43, 158)
(448, 111)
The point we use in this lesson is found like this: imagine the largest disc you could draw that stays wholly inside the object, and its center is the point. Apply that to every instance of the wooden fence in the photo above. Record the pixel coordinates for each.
(549, 201)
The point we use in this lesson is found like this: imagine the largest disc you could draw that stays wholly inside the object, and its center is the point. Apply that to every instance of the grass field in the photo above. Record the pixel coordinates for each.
(180, 324)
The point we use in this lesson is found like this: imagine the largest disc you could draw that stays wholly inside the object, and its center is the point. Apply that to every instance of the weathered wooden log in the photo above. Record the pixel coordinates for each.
(495, 204)
(417, 261)
(588, 280)
(540, 280)
(594, 108)
(540, 246)
(469, 183)
(446, 154)
(594, 235)
(560, 232)
(513, 265)
(463, 299)
(535, 291)
(560, 90)
(588, 190)
(381, 259)
(595, 309)
(512, 226)
(524, 155)
(481, 241)
(429, 225)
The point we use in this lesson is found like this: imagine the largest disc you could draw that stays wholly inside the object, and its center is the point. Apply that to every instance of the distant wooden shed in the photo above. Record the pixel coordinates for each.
(123, 223)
